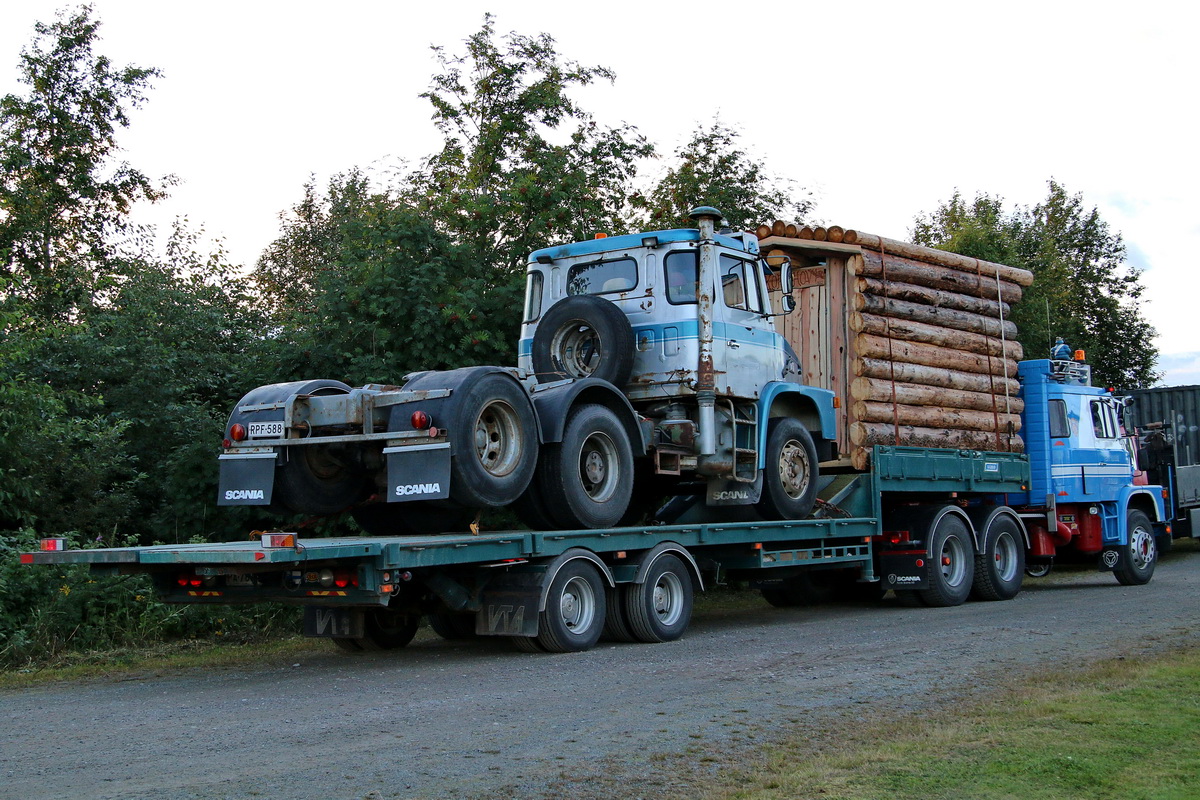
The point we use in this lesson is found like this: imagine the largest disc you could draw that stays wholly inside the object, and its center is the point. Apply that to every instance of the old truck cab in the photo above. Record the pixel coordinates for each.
(1083, 469)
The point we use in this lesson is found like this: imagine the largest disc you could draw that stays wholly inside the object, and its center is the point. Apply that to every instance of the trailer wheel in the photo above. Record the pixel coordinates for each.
(1138, 558)
(616, 625)
(790, 476)
(384, 629)
(590, 473)
(660, 609)
(452, 626)
(953, 568)
(585, 337)
(1000, 568)
(575, 609)
(495, 441)
(526, 644)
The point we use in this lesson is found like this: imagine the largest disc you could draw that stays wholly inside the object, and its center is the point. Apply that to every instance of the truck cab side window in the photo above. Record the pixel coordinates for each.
(533, 296)
(1060, 426)
(739, 284)
(602, 277)
(1104, 421)
(683, 274)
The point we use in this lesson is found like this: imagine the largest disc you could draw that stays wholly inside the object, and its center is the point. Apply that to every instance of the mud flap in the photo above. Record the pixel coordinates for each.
(418, 472)
(1110, 557)
(509, 605)
(722, 492)
(246, 480)
(334, 623)
(901, 570)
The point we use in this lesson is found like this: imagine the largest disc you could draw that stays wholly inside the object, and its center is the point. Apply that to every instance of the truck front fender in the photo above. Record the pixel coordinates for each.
(1143, 498)
(812, 406)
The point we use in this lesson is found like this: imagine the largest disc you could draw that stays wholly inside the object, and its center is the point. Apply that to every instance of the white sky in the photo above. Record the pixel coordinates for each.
(883, 108)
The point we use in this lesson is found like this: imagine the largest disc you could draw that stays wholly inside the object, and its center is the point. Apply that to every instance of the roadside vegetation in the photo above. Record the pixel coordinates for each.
(1120, 729)
(120, 359)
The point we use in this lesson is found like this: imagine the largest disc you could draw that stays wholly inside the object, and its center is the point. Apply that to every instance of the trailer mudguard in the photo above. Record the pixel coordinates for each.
(644, 561)
(510, 604)
(440, 409)
(812, 405)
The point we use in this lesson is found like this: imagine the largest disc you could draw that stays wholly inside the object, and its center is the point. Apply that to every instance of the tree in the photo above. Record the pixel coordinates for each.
(370, 289)
(521, 164)
(1082, 291)
(712, 170)
(62, 197)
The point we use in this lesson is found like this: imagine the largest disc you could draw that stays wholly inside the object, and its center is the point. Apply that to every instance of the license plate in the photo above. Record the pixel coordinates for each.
(266, 430)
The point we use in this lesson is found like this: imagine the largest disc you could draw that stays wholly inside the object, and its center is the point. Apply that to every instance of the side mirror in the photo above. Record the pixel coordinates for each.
(784, 267)
(788, 303)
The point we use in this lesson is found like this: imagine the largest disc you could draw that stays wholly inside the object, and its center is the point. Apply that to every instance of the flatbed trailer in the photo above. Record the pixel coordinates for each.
(559, 590)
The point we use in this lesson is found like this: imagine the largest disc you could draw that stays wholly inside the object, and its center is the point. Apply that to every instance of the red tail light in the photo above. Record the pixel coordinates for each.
(342, 579)
(237, 432)
(421, 421)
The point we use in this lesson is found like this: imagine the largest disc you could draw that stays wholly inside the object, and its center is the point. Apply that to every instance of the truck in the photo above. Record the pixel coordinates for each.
(1165, 422)
(669, 424)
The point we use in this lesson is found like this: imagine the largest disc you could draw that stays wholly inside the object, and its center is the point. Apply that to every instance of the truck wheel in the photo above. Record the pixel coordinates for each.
(953, 569)
(585, 337)
(315, 480)
(1139, 556)
(590, 473)
(453, 626)
(1039, 570)
(495, 441)
(790, 476)
(660, 609)
(575, 609)
(1000, 568)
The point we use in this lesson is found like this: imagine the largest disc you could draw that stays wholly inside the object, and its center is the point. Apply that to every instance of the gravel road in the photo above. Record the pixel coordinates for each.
(443, 719)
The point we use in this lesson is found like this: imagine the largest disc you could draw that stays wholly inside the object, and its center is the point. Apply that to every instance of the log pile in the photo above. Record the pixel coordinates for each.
(924, 352)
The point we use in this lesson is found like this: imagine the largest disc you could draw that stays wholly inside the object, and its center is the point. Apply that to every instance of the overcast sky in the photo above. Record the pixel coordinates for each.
(882, 109)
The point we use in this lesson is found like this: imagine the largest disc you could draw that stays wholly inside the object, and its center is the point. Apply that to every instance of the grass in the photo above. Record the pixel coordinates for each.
(1121, 729)
(161, 658)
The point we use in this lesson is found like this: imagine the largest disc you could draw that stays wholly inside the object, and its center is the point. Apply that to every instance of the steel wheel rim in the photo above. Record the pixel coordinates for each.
(793, 469)
(668, 598)
(599, 467)
(577, 348)
(1141, 547)
(1006, 556)
(577, 605)
(953, 561)
(498, 442)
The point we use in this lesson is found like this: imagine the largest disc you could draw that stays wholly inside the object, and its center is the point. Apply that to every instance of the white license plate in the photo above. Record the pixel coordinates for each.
(266, 430)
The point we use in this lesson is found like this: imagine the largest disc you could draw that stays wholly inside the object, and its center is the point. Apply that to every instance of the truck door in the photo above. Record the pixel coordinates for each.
(747, 353)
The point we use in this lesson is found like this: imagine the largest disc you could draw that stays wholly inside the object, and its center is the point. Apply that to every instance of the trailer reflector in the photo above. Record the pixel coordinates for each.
(26, 558)
(53, 544)
(278, 540)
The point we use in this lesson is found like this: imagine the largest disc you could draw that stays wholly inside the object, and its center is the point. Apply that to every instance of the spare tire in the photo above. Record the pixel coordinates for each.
(585, 337)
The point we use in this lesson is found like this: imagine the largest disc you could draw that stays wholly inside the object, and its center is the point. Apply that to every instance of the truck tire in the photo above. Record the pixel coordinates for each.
(451, 625)
(575, 609)
(531, 508)
(495, 443)
(616, 625)
(790, 475)
(585, 337)
(384, 629)
(660, 609)
(952, 571)
(1140, 555)
(1000, 568)
(319, 480)
(590, 473)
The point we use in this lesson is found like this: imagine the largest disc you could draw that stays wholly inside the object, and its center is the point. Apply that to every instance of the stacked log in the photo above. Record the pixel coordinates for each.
(930, 353)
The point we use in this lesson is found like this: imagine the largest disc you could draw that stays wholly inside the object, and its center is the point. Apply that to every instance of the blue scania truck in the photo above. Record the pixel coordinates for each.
(660, 433)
